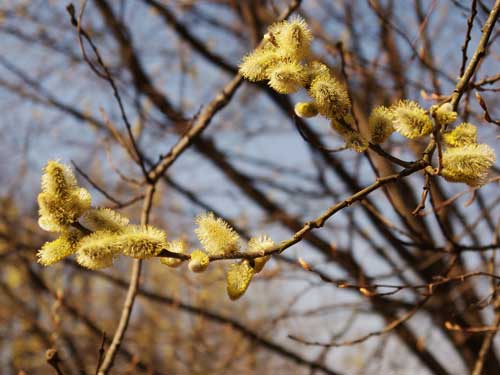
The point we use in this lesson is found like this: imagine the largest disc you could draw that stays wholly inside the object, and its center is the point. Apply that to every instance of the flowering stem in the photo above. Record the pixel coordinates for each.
(107, 363)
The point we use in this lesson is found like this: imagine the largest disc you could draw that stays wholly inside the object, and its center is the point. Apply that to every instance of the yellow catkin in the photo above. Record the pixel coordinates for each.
(58, 179)
(287, 77)
(103, 219)
(238, 279)
(410, 120)
(380, 122)
(61, 201)
(468, 164)
(176, 246)
(99, 244)
(54, 251)
(58, 212)
(330, 97)
(463, 134)
(94, 263)
(306, 110)
(141, 241)
(199, 261)
(255, 65)
(293, 38)
(258, 245)
(216, 236)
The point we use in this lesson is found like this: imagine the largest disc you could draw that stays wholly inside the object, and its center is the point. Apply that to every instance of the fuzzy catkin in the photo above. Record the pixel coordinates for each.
(468, 164)
(215, 235)
(410, 120)
(238, 279)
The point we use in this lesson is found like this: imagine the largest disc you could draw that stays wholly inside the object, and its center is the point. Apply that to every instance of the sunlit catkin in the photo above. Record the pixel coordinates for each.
(330, 97)
(54, 251)
(463, 134)
(216, 236)
(141, 241)
(103, 219)
(255, 65)
(287, 77)
(468, 164)
(199, 261)
(380, 122)
(293, 37)
(238, 279)
(61, 202)
(410, 120)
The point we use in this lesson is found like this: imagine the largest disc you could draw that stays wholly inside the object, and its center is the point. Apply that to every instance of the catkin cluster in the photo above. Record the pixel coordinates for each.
(218, 239)
(96, 235)
(284, 60)
(465, 160)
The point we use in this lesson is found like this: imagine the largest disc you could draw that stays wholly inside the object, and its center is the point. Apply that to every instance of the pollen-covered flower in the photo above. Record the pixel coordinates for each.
(410, 120)
(380, 122)
(103, 219)
(468, 164)
(176, 246)
(99, 244)
(141, 241)
(317, 69)
(58, 179)
(293, 37)
(98, 249)
(216, 236)
(255, 65)
(54, 251)
(463, 134)
(61, 201)
(58, 212)
(445, 114)
(330, 97)
(94, 263)
(199, 261)
(306, 110)
(238, 279)
(287, 77)
(258, 245)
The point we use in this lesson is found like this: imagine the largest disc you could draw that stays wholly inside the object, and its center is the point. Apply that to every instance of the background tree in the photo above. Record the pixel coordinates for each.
(144, 98)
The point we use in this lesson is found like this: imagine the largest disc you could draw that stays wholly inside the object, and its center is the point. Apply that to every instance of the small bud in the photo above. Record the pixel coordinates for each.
(258, 245)
(445, 115)
(380, 122)
(410, 120)
(238, 279)
(199, 261)
(306, 110)
(177, 246)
